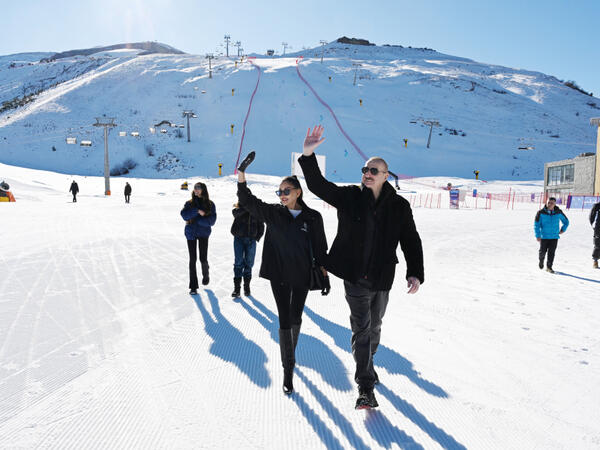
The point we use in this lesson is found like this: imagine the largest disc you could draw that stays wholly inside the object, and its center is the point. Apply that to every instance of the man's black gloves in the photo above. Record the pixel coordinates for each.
(327, 286)
(247, 161)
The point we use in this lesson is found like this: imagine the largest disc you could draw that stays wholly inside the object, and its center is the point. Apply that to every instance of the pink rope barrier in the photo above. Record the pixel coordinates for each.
(237, 162)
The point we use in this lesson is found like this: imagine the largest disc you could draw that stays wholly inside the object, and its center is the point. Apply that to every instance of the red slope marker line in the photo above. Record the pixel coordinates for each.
(360, 152)
(237, 162)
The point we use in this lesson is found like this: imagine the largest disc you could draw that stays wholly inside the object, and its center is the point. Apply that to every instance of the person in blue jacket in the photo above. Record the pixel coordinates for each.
(547, 226)
(200, 215)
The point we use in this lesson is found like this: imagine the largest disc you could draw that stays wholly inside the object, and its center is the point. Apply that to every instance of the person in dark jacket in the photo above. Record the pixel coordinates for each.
(372, 220)
(200, 215)
(292, 230)
(595, 222)
(74, 189)
(547, 228)
(246, 231)
(127, 192)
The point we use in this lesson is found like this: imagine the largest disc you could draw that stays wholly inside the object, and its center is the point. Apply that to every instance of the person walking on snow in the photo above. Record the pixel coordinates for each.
(547, 227)
(294, 231)
(127, 192)
(5, 194)
(595, 222)
(372, 220)
(246, 231)
(200, 214)
(74, 189)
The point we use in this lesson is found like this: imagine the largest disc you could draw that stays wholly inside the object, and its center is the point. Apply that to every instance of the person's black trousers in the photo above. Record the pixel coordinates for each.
(367, 308)
(596, 252)
(203, 251)
(548, 245)
(127, 198)
(290, 303)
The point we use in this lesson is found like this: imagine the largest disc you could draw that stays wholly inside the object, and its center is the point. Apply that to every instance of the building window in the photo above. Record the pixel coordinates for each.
(561, 175)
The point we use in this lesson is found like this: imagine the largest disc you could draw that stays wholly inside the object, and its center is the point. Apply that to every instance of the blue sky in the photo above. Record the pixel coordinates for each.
(552, 36)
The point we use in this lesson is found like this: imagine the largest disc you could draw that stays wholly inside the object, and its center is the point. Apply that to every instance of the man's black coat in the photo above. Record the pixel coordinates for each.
(595, 218)
(393, 224)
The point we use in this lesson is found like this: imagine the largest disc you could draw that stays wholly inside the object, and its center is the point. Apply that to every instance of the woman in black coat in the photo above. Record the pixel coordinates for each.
(292, 228)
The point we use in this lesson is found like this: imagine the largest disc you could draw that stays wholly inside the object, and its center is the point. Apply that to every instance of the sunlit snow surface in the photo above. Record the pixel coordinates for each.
(102, 347)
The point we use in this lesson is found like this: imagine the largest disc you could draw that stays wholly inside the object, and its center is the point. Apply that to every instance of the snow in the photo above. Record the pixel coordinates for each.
(102, 347)
(486, 112)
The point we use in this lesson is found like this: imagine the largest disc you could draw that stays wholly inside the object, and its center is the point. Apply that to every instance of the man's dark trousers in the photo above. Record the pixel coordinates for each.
(367, 308)
(548, 245)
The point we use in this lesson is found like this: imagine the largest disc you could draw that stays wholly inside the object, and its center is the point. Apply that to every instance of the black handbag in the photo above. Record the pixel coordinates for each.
(318, 281)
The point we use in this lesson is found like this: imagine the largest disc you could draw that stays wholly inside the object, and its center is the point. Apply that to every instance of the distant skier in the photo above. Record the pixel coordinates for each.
(372, 220)
(74, 189)
(294, 232)
(127, 192)
(5, 194)
(247, 231)
(595, 222)
(547, 227)
(200, 215)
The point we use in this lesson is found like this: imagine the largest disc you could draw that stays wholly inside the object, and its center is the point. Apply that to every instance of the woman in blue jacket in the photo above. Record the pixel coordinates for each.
(200, 215)
(547, 227)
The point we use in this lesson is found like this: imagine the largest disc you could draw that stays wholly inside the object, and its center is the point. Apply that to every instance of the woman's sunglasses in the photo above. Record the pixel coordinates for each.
(285, 191)
(373, 170)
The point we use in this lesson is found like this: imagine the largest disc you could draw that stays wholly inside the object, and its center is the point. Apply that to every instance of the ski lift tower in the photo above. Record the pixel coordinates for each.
(107, 123)
(323, 43)
(188, 114)
(210, 57)
(595, 121)
(431, 123)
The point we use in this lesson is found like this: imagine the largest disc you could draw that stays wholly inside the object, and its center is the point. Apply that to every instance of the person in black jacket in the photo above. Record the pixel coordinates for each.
(200, 214)
(247, 231)
(292, 227)
(595, 219)
(372, 220)
(74, 189)
(127, 192)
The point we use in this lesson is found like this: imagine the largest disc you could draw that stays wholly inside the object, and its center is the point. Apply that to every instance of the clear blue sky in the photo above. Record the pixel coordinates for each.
(557, 37)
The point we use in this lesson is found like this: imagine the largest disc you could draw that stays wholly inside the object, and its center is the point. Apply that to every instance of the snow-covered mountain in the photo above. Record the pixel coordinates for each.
(485, 112)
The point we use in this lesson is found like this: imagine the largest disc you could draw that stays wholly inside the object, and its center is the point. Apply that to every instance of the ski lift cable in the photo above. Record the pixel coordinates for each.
(532, 139)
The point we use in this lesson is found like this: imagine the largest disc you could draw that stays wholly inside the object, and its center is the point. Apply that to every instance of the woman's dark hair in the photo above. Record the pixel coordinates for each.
(293, 180)
(204, 195)
(204, 201)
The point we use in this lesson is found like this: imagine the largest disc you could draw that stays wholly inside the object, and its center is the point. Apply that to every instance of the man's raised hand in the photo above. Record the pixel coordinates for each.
(313, 140)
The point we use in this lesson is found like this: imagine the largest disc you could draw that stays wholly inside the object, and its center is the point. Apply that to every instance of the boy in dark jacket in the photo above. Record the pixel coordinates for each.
(247, 231)
(595, 219)
(372, 220)
(547, 227)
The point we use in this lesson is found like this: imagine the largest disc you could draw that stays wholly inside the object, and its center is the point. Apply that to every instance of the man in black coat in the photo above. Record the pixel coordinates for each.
(372, 220)
(74, 189)
(127, 192)
(595, 219)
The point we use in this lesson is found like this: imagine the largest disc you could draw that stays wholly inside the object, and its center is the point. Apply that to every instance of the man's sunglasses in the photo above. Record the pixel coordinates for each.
(285, 191)
(373, 170)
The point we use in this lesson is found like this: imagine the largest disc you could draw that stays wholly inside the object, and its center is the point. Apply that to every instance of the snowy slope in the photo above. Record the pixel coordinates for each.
(486, 112)
(102, 347)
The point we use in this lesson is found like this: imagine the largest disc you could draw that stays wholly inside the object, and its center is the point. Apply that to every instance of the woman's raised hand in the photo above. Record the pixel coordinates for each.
(312, 140)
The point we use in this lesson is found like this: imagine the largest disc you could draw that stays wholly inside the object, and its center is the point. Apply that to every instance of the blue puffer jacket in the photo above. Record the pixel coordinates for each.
(547, 223)
(198, 226)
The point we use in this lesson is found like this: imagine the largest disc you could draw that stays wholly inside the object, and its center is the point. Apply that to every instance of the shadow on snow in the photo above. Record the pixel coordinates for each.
(230, 345)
